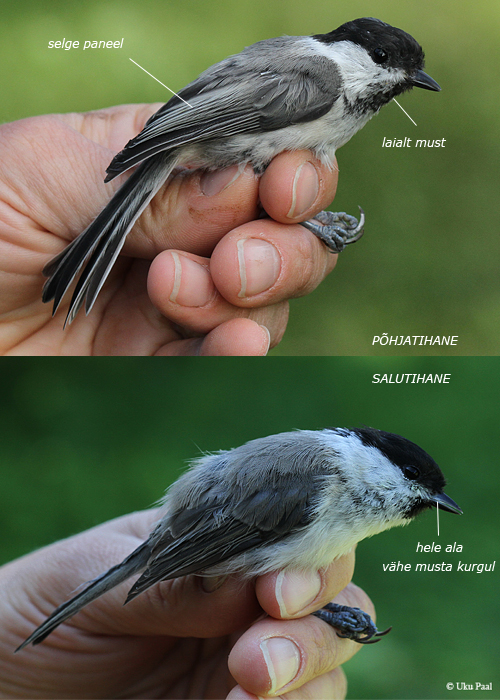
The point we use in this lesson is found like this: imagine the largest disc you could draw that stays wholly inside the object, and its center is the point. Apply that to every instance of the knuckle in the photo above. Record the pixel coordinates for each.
(325, 643)
(274, 318)
(311, 264)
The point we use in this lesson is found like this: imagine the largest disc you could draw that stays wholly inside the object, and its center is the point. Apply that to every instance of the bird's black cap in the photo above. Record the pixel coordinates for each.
(401, 49)
(404, 453)
(414, 462)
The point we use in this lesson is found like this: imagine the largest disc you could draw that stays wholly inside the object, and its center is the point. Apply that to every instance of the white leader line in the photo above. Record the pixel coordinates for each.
(159, 81)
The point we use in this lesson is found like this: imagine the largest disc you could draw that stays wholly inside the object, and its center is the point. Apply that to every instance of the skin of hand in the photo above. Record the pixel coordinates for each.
(220, 276)
(190, 637)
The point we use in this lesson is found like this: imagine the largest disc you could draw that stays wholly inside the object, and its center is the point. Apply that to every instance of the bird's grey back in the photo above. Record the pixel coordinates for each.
(255, 483)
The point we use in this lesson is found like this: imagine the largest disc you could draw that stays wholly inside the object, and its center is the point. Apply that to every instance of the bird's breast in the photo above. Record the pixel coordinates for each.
(322, 136)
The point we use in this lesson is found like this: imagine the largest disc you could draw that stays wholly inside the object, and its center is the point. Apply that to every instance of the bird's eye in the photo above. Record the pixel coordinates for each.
(411, 473)
(380, 56)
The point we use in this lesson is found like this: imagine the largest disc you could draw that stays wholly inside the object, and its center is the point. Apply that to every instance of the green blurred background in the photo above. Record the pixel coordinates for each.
(428, 262)
(84, 441)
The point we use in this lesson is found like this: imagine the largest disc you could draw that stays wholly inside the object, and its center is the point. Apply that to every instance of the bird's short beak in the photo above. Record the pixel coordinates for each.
(445, 503)
(422, 80)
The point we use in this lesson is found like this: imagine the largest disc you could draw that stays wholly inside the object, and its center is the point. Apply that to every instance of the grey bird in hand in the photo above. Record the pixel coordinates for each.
(283, 94)
(294, 500)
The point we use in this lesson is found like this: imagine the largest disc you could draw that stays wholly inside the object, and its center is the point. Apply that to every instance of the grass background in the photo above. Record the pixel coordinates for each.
(82, 442)
(428, 262)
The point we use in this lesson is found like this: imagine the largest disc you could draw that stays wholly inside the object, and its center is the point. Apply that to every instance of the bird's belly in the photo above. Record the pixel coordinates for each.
(323, 137)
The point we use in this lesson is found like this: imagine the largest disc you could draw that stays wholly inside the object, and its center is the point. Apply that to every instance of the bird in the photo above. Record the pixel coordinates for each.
(281, 94)
(295, 500)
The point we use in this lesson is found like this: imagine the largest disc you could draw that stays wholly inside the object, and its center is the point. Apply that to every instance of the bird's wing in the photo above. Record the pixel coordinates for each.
(211, 533)
(242, 94)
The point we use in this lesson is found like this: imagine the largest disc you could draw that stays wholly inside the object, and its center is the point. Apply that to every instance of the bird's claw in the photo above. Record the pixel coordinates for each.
(351, 623)
(336, 229)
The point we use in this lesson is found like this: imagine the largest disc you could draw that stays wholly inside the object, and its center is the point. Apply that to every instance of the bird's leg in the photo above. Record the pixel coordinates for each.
(336, 229)
(350, 623)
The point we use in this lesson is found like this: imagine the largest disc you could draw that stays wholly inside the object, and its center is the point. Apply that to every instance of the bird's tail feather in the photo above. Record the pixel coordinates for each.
(133, 564)
(104, 238)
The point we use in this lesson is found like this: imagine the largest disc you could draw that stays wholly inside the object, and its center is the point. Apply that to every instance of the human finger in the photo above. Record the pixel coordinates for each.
(292, 593)
(181, 287)
(238, 337)
(274, 657)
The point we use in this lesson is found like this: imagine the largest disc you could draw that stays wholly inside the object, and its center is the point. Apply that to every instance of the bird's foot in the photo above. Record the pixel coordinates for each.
(336, 229)
(351, 623)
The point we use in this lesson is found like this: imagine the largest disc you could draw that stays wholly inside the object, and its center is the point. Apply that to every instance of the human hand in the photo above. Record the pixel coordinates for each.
(205, 293)
(174, 639)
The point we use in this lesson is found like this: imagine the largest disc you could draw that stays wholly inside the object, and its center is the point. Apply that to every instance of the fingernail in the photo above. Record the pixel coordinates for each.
(214, 182)
(282, 659)
(305, 189)
(193, 284)
(295, 590)
(259, 265)
(268, 334)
